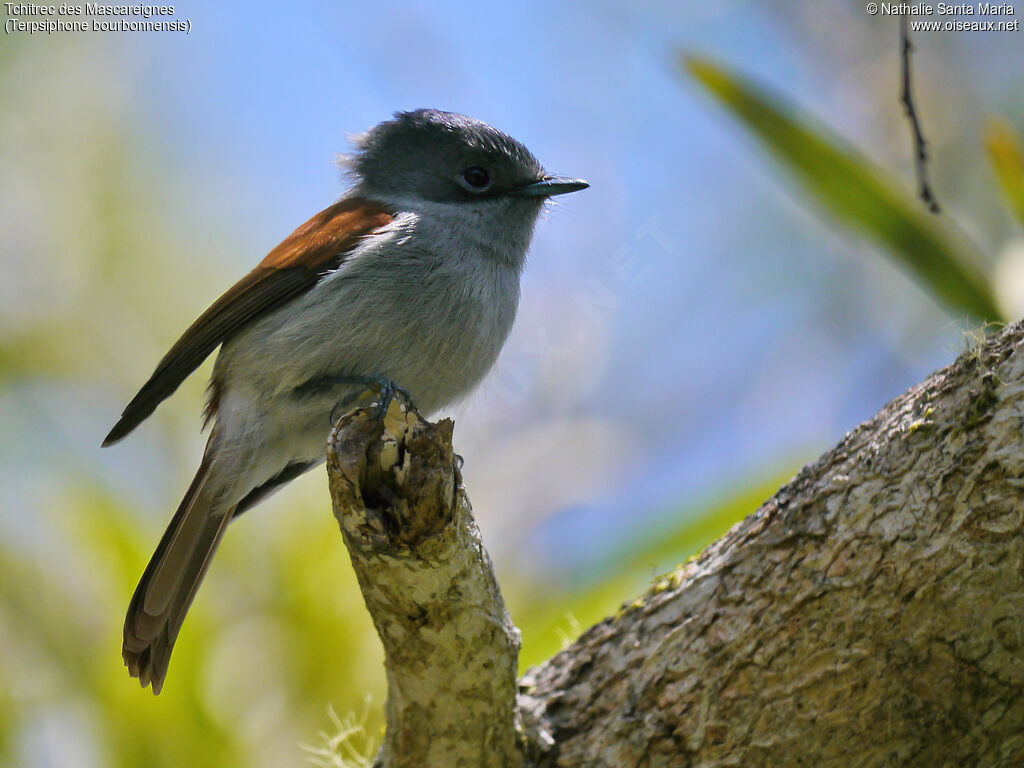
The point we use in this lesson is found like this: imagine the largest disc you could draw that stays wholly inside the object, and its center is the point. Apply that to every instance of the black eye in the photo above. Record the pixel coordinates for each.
(476, 177)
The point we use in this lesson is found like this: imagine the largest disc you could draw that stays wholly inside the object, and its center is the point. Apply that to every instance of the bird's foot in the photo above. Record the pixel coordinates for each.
(387, 391)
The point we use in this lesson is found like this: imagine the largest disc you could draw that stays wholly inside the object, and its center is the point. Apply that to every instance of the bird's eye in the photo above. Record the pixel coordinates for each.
(476, 177)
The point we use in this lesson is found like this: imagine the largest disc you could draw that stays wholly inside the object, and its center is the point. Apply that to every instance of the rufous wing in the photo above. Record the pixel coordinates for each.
(292, 268)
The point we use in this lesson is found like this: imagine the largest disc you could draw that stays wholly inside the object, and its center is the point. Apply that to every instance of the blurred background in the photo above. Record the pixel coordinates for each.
(749, 277)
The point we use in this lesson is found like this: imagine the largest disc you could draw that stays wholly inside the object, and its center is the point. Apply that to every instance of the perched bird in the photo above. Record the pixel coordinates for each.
(410, 281)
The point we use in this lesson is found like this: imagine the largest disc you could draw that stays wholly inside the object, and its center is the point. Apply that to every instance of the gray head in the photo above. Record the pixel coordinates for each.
(443, 157)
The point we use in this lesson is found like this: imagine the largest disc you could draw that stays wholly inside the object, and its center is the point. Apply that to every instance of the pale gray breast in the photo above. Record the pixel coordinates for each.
(472, 317)
(432, 320)
(433, 323)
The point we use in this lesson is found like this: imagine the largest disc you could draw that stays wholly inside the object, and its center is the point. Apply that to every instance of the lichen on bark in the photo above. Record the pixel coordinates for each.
(451, 649)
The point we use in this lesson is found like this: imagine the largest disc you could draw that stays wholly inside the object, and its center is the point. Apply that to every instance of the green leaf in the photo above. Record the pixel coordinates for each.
(857, 193)
(1006, 155)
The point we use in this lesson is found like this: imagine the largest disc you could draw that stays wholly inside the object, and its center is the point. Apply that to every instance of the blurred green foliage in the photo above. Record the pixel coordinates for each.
(1006, 155)
(278, 637)
(837, 178)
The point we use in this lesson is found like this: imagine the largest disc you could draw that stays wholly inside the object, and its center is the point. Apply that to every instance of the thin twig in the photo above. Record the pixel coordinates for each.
(920, 145)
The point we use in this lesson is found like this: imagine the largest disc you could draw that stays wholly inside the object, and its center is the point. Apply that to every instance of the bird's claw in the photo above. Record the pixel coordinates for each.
(386, 390)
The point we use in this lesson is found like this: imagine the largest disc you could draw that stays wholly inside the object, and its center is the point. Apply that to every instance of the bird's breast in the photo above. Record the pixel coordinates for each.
(432, 322)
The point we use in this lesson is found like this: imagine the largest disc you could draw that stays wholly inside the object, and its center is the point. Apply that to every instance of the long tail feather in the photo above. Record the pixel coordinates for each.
(169, 584)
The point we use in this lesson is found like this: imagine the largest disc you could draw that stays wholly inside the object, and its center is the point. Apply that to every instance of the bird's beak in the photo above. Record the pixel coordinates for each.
(550, 186)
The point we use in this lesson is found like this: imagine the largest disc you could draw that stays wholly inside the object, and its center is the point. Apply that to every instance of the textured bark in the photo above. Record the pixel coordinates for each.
(871, 613)
(451, 649)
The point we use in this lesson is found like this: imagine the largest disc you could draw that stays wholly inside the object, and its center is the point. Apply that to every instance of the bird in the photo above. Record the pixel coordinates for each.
(408, 284)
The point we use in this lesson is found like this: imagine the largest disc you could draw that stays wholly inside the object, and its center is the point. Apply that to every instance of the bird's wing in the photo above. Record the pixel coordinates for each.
(292, 268)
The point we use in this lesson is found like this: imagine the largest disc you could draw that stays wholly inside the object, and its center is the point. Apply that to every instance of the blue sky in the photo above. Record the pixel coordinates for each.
(687, 322)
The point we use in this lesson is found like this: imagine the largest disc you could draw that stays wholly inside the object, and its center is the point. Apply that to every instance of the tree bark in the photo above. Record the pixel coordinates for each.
(450, 646)
(871, 613)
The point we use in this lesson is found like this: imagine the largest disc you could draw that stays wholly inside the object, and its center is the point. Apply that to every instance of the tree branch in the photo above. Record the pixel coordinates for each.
(870, 613)
(916, 134)
(451, 649)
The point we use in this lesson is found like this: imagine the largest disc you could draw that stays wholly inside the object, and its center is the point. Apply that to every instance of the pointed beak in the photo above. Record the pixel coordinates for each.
(550, 186)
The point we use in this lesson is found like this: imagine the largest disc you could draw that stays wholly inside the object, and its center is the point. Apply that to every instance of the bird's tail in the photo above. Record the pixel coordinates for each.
(171, 579)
